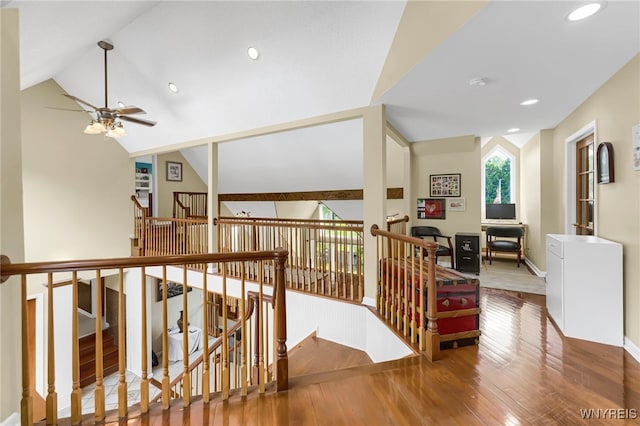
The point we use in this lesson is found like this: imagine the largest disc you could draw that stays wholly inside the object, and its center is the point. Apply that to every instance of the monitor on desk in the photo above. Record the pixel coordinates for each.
(500, 211)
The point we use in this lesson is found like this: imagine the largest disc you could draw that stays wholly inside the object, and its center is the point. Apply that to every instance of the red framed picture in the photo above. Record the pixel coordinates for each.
(432, 208)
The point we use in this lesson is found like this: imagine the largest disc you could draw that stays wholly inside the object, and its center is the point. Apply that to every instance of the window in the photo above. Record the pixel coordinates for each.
(325, 213)
(498, 177)
(584, 186)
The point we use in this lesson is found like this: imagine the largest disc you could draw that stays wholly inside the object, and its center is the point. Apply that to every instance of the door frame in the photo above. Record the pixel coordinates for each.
(570, 178)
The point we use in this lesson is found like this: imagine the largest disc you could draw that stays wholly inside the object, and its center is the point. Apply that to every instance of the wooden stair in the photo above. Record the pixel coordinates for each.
(87, 349)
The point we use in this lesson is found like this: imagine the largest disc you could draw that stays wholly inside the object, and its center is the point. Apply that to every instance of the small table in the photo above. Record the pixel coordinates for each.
(175, 343)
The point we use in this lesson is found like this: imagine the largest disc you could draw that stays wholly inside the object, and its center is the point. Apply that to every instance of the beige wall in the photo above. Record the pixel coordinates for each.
(536, 188)
(191, 182)
(529, 206)
(453, 155)
(77, 187)
(616, 108)
(11, 223)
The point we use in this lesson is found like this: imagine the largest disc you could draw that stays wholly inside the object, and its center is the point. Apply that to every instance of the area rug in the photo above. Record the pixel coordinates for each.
(503, 274)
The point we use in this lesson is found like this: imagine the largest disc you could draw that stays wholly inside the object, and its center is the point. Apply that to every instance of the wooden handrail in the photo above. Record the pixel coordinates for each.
(189, 204)
(9, 269)
(276, 256)
(325, 257)
(232, 219)
(252, 297)
(398, 289)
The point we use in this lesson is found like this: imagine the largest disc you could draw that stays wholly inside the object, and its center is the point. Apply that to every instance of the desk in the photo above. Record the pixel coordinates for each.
(485, 225)
(175, 343)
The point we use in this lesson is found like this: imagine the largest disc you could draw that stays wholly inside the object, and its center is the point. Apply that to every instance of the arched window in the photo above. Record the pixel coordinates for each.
(498, 177)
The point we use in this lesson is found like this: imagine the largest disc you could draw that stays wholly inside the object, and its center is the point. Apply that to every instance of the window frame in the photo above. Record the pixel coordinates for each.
(512, 177)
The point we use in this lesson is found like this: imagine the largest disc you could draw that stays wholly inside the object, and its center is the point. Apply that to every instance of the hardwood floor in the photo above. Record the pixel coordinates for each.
(524, 372)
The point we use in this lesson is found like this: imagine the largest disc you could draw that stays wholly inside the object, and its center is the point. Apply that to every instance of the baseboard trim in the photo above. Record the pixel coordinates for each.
(13, 419)
(631, 347)
(534, 268)
(369, 301)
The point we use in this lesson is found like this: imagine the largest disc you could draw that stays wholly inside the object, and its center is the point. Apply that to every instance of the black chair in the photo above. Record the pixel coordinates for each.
(431, 231)
(495, 244)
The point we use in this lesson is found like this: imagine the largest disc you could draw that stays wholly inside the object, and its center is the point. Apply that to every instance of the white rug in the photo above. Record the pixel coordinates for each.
(503, 274)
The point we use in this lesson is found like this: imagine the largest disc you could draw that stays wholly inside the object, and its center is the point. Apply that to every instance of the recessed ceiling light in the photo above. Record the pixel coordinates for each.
(478, 81)
(584, 11)
(513, 130)
(173, 87)
(253, 53)
(529, 102)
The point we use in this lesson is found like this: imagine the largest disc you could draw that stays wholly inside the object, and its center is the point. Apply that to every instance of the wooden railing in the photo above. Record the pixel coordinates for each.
(51, 273)
(398, 226)
(399, 300)
(189, 204)
(166, 236)
(325, 257)
(239, 342)
(140, 215)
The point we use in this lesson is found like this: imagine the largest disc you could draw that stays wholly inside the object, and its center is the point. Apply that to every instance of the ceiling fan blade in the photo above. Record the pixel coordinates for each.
(130, 110)
(137, 120)
(80, 100)
(68, 109)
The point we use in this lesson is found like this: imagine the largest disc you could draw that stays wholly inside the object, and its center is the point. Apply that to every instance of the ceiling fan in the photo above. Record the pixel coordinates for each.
(106, 119)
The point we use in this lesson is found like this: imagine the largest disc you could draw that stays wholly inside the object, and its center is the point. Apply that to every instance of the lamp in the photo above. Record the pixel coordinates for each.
(105, 123)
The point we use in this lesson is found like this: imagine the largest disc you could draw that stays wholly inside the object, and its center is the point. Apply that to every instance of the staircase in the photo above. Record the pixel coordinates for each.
(87, 350)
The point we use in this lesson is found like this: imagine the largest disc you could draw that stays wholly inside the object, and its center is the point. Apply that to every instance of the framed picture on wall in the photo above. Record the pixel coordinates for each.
(173, 289)
(635, 142)
(456, 204)
(431, 208)
(174, 171)
(444, 185)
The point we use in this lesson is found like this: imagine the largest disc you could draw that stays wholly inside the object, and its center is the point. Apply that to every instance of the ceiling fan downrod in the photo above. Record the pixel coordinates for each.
(106, 46)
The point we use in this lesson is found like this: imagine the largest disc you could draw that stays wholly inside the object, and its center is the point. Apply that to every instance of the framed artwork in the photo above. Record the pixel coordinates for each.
(173, 289)
(456, 204)
(444, 185)
(431, 208)
(635, 142)
(174, 171)
(605, 163)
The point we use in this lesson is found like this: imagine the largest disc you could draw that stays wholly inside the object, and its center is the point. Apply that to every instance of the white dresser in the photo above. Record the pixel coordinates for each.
(584, 287)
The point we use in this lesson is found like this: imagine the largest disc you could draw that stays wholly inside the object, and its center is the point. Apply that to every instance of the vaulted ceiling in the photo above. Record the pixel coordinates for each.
(319, 57)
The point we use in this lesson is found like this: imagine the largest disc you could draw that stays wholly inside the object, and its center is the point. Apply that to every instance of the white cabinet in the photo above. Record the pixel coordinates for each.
(584, 287)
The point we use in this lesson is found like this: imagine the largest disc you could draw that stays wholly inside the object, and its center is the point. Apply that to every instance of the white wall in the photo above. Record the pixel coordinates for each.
(307, 314)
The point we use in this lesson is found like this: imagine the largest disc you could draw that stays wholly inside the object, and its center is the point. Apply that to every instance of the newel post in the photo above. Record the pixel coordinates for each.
(432, 336)
(280, 306)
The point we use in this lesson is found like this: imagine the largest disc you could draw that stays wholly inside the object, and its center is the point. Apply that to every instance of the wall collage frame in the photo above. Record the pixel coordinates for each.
(444, 193)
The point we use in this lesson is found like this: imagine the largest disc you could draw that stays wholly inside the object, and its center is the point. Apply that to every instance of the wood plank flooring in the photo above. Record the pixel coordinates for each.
(524, 372)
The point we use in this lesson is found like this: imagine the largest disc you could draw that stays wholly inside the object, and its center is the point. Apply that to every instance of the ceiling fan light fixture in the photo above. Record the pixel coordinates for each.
(173, 87)
(91, 129)
(116, 131)
(585, 11)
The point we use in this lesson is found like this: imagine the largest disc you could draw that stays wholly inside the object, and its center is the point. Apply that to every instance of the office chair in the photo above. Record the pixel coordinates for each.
(494, 244)
(431, 231)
